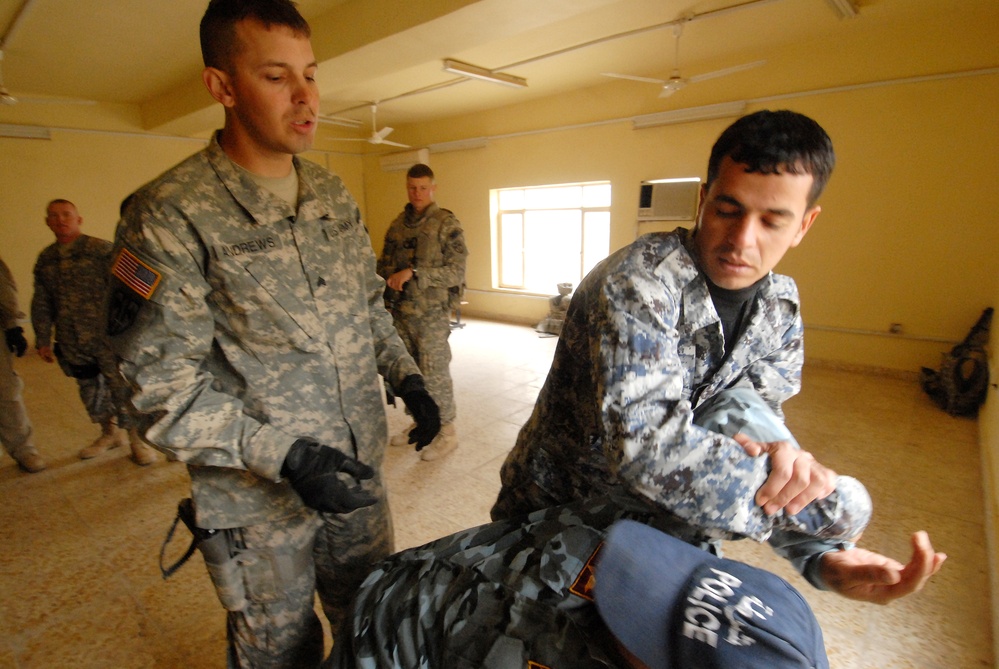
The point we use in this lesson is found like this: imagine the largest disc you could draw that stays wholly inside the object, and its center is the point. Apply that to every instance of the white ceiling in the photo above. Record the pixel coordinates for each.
(144, 55)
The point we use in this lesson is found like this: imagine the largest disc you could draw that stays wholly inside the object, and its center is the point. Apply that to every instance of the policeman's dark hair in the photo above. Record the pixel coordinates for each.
(219, 44)
(775, 142)
(418, 171)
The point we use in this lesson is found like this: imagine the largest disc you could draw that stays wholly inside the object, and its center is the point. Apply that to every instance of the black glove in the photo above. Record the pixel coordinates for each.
(16, 341)
(426, 415)
(312, 470)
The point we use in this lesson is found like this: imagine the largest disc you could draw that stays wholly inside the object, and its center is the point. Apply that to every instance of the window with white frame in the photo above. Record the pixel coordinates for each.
(548, 235)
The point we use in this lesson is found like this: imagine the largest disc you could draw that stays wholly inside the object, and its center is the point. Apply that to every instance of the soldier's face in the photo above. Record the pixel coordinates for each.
(63, 221)
(746, 222)
(273, 97)
(420, 192)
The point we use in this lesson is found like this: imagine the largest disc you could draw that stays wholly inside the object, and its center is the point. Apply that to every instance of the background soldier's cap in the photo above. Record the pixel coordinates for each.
(675, 606)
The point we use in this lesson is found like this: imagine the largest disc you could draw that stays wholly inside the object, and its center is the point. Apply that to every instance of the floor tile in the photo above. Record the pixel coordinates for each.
(79, 577)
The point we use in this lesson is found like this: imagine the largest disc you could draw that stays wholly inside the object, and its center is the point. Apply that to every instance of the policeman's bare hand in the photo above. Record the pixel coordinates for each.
(46, 353)
(796, 479)
(752, 448)
(314, 471)
(871, 577)
(16, 342)
(425, 413)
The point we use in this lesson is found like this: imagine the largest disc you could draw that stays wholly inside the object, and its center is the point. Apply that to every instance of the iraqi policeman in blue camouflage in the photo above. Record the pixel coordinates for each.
(247, 314)
(663, 327)
(603, 582)
(67, 315)
(423, 263)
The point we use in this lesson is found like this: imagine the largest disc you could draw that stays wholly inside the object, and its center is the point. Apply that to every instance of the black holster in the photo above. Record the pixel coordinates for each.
(219, 551)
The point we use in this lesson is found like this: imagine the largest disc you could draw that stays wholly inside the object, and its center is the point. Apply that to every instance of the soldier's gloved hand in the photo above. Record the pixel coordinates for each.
(313, 471)
(426, 415)
(16, 341)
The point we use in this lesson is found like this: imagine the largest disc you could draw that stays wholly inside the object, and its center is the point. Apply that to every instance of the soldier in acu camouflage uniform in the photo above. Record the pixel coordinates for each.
(661, 328)
(423, 263)
(71, 280)
(16, 432)
(248, 316)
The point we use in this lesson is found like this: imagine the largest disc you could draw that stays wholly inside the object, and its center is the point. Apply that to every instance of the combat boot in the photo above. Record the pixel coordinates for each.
(445, 442)
(142, 454)
(402, 439)
(111, 437)
(31, 462)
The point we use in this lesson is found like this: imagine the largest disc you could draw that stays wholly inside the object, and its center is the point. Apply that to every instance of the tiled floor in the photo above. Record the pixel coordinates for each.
(80, 586)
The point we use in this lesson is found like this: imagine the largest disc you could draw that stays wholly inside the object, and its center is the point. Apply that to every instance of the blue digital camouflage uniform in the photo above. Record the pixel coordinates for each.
(433, 244)
(71, 282)
(515, 593)
(244, 324)
(641, 348)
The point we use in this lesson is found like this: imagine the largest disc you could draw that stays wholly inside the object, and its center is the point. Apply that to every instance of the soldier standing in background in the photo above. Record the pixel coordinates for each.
(16, 432)
(248, 316)
(423, 263)
(71, 279)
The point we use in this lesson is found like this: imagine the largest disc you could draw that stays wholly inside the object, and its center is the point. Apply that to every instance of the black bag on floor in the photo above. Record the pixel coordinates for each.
(963, 380)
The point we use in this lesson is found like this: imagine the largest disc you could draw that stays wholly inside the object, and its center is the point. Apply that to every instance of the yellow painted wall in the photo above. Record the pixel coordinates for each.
(907, 235)
(96, 171)
(988, 433)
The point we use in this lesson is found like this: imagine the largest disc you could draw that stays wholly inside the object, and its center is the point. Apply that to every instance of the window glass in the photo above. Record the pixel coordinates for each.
(548, 235)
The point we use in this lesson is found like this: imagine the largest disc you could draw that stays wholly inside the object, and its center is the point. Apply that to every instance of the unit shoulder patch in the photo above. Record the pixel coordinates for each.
(583, 585)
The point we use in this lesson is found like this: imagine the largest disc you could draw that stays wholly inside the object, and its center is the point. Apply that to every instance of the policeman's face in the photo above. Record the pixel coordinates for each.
(63, 221)
(273, 98)
(746, 222)
(420, 192)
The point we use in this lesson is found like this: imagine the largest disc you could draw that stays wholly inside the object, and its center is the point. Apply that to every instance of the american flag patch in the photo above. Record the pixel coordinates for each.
(135, 274)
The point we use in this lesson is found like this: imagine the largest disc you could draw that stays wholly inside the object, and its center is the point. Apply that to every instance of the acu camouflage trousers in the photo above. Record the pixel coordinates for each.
(286, 563)
(426, 338)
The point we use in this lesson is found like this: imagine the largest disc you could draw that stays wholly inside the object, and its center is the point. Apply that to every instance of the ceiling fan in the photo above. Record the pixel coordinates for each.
(677, 82)
(8, 98)
(377, 136)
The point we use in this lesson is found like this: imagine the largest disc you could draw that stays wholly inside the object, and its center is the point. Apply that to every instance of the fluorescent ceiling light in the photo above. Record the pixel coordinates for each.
(845, 9)
(704, 113)
(24, 131)
(475, 72)
(679, 180)
(459, 145)
(340, 120)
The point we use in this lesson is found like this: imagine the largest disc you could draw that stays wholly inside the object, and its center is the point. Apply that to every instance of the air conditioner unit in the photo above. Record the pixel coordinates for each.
(668, 200)
(403, 160)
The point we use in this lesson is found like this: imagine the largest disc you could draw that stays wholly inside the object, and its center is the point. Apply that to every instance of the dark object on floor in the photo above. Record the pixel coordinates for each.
(963, 380)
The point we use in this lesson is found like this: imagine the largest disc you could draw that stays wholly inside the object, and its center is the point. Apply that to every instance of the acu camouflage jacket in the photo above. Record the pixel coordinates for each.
(244, 324)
